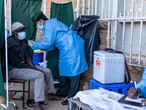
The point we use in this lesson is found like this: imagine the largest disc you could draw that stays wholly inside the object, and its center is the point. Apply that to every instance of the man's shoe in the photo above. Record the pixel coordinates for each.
(52, 96)
(65, 102)
(30, 102)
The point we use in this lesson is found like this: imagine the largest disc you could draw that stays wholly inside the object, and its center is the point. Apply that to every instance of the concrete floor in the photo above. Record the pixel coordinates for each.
(52, 105)
(55, 105)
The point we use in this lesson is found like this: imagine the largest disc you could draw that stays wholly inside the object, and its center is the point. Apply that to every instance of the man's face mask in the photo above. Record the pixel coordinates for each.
(40, 26)
(21, 35)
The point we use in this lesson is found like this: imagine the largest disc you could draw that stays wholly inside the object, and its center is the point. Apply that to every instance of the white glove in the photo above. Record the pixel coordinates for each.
(43, 64)
(31, 42)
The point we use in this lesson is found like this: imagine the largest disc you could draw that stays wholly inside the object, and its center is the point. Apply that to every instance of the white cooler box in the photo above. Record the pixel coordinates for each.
(108, 67)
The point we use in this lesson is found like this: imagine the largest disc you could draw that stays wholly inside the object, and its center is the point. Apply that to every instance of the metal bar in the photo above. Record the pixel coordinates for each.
(78, 8)
(10, 21)
(115, 34)
(135, 65)
(108, 34)
(44, 9)
(23, 98)
(70, 103)
(18, 90)
(141, 30)
(115, 24)
(89, 6)
(102, 5)
(144, 61)
(115, 9)
(6, 53)
(96, 3)
(28, 90)
(109, 23)
(17, 99)
(124, 8)
(44, 53)
(126, 19)
(109, 11)
(83, 7)
(123, 33)
(92, 7)
(131, 33)
(142, 6)
(123, 36)
(133, 7)
(4, 106)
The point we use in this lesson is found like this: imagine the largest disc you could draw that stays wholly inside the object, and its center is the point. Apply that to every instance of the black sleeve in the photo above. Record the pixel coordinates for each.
(13, 59)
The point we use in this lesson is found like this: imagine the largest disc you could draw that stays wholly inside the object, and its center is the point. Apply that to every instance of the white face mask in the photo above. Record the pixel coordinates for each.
(21, 35)
(40, 26)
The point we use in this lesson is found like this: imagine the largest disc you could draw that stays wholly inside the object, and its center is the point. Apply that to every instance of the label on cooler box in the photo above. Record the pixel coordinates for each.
(98, 63)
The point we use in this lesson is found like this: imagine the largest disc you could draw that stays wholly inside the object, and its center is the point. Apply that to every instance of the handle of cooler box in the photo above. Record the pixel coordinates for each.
(127, 73)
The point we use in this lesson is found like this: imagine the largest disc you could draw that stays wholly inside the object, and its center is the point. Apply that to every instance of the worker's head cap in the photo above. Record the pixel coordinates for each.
(17, 26)
(41, 16)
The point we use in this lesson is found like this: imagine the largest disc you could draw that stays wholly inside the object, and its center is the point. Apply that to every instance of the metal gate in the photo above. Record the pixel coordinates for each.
(126, 25)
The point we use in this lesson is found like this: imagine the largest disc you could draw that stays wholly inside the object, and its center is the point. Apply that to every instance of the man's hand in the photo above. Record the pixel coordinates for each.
(1, 100)
(30, 42)
(133, 92)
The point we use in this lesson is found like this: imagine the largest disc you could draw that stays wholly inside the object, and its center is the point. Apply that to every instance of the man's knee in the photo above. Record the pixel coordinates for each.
(39, 74)
(47, 70)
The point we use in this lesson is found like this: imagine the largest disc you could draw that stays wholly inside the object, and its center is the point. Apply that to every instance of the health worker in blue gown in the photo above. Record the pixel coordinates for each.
(72, 60)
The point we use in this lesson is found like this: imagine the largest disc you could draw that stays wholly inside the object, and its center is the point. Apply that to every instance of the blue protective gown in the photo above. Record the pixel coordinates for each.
(72, 60)
(142, 84)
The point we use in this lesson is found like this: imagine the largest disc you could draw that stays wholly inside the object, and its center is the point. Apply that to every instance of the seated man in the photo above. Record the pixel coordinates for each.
(140, 89)
(21, 66)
